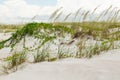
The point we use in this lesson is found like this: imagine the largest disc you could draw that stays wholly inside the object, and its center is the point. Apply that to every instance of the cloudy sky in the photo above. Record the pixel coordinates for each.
(16, 11)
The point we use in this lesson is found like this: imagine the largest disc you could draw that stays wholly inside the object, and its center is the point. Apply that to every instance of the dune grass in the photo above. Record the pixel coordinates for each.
(4, 28)
(103, 28)
(13, 61)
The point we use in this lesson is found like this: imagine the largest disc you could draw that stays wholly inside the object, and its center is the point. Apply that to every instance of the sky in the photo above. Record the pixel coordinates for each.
(42, 2)
(18, 11)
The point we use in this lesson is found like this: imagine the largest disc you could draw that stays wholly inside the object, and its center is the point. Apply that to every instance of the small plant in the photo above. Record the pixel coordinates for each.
(33, 30)
(14, 60)
(61, 55)
(41, 56)
(94, 49)
(5, 69)
(81, 46)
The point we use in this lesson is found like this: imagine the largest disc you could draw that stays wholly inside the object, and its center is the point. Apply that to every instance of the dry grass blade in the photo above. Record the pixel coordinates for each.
(76, 14)
(114, 16)
(104, 13)
(55, 12)
(117, 13)
(58, 16)
(100, 15)
(111, 15)
(85, 16)
(67, 16)
(34, 17)
(95, 9)
(82, 14)
(107, 10)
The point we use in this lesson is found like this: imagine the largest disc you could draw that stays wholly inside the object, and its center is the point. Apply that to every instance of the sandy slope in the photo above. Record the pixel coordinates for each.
(4, 36)
(104, 67)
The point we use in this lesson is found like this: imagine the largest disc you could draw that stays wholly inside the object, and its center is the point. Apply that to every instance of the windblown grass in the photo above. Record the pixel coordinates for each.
(103, 28)
(13, 61)
(9, 28)
(33, 29)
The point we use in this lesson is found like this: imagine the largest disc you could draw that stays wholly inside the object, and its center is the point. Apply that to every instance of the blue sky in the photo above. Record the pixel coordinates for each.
(42, 2)
(39, 2)
(1, 1)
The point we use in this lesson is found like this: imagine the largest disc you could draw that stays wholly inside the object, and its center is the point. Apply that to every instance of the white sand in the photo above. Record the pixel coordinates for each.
(4, 36)
(103, 67)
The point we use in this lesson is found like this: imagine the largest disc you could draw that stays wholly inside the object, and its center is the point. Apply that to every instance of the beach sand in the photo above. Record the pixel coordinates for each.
(101, 67)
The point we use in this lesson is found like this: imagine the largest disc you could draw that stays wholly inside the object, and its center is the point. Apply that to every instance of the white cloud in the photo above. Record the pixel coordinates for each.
(23, 9)
(73, 5)
(11, 10)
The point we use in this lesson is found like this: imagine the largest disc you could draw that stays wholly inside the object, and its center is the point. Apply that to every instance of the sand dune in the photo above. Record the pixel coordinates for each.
(103, 67)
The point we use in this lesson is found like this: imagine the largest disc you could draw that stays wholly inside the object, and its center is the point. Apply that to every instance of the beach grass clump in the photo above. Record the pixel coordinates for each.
(61, 54)
(94, 49)
(104, 28)
(34, 29)
(14, 60)
(41, 56)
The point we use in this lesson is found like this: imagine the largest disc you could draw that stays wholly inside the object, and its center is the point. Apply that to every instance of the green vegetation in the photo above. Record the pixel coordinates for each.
(34, 29)
(9, 28)
(104, 29)
(41, 56)
(13, 61)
